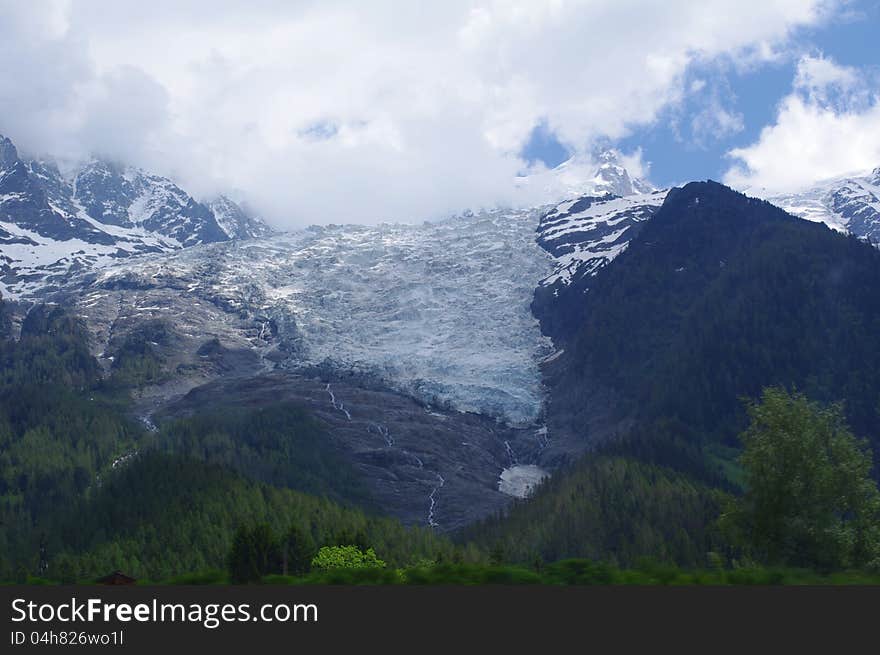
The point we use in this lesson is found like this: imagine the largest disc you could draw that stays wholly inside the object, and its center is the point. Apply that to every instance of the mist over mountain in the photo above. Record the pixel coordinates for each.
(53, 225)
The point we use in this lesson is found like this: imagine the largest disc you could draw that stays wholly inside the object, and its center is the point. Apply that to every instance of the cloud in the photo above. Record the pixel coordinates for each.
(53, 100)
(828, 126)
(706, 114)
(816, 75)
(715, 122)
(339, 110)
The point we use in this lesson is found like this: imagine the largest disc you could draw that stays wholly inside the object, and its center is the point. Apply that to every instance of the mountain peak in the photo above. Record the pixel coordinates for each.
(8, 153)
(707, 191)
(615, 178)
(608, 156)
(235, 221)
(95, 212)
(709, 206)
(589, 175)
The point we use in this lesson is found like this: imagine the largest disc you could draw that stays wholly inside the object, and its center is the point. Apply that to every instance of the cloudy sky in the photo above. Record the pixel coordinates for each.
(361, 111)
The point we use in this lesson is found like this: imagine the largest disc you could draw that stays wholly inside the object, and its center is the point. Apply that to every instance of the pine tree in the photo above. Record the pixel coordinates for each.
(254, 554)
(299, 549)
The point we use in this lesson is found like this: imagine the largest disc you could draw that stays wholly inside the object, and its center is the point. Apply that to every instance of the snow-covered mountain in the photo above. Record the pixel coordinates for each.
(54, 225)
(585, 234)
(602, 208)
(130, 198)
(849, 204)
(583, 175)
(439, 311)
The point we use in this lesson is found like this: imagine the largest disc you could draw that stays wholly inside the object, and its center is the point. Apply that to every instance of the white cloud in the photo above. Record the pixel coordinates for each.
(715, 121)
(816, 74)
(709, 110)
(828, 126)
(635, 164)
(342, 110)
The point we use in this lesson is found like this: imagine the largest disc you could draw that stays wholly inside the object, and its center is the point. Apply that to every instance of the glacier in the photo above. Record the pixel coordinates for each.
(439, 311)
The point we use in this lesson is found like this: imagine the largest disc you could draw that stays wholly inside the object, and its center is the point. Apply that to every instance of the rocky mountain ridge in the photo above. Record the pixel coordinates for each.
(55, 225)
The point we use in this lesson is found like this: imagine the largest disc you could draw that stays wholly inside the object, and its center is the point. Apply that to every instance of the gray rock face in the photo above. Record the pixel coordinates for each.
(235, 221)
(24, 200)
(59, 191)
(614, 179)
(424, 466)
(52, 225)
(126, 197)
(8, 154)
(105, 193)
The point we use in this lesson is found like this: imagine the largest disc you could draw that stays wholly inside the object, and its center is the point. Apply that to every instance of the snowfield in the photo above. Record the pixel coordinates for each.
(586, 234)
(847, 204)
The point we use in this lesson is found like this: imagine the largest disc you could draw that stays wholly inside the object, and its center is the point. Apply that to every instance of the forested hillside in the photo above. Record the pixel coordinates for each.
(717, 297)
(164, 516)
(611, 509)
(90, 488)
(279, 444)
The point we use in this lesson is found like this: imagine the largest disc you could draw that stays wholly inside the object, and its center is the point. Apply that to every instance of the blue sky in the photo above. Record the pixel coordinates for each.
(676, 155)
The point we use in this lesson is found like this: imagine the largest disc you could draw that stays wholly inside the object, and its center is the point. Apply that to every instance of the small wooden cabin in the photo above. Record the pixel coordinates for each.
(116, 578)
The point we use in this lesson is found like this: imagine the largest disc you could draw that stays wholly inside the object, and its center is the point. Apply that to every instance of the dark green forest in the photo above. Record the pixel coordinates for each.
(612, 509)
(180, 515)
(279, 444)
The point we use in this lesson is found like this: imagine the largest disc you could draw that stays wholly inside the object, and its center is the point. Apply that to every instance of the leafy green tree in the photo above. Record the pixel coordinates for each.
(346, 557)
(255, 553)
(809, 500)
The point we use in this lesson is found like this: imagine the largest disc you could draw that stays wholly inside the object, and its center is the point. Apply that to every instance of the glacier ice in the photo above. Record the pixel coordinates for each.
(440, 311)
